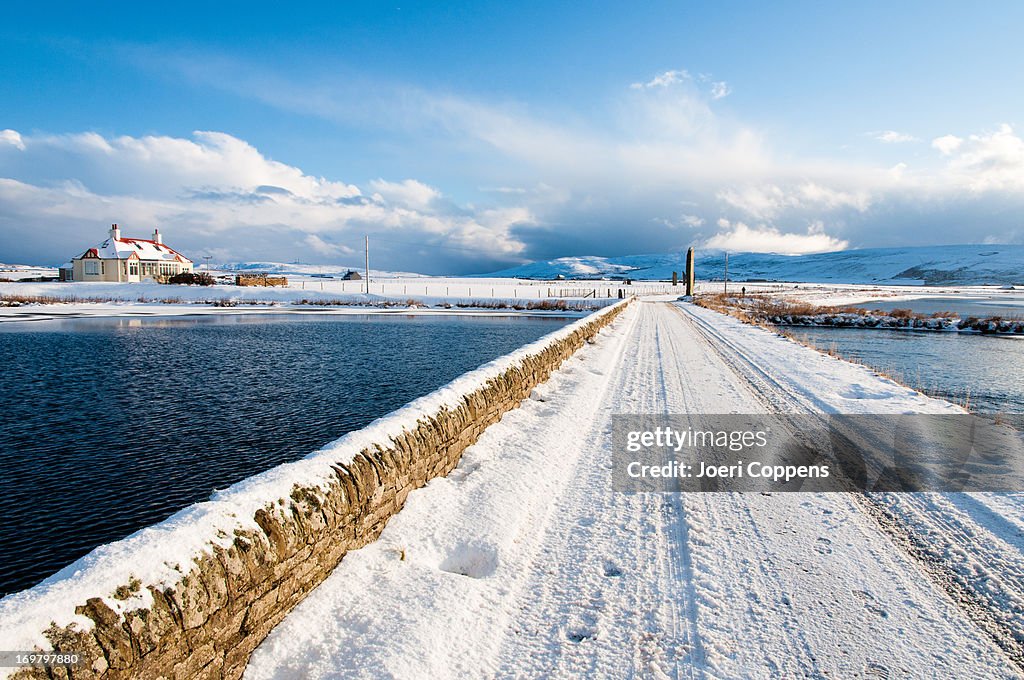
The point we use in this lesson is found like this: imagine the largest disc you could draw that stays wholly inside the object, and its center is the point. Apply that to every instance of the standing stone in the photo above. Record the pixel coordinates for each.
(689, 271)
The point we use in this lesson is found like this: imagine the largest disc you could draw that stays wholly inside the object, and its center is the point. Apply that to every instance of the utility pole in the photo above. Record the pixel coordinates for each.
(727, 273)
(207, 258)
(367, 251)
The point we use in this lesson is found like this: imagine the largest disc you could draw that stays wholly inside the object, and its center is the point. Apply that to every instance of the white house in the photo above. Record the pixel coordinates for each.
(129, 259)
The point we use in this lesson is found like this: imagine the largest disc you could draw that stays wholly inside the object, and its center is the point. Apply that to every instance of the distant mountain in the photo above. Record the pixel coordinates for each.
(967, 265)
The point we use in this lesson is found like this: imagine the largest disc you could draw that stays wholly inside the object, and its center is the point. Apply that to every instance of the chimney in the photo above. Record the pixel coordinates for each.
(115, 232)
(156, 236)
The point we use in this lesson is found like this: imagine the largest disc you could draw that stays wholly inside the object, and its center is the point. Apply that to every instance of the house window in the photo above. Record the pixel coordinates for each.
(133, 268)
(92, 267)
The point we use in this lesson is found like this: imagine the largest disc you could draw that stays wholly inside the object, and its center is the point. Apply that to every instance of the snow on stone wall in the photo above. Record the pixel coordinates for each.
(194, 595)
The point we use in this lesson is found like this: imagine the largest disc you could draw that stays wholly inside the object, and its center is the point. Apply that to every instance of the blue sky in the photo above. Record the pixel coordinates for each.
(490, 133)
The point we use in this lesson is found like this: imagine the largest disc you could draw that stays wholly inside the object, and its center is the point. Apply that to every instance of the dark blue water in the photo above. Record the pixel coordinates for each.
(983, 372)
(109, 425)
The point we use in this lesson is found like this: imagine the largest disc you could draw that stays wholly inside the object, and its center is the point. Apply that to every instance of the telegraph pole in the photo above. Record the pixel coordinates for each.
(367, 251)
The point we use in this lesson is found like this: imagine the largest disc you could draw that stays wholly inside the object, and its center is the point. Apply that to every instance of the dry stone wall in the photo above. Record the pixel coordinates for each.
(207, 624)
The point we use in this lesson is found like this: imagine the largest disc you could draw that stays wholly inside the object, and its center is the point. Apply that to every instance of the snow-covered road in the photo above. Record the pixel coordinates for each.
(525, 563)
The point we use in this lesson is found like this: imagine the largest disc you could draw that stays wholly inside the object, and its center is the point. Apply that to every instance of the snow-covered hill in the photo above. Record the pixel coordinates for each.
(925, 265)
(16, 272)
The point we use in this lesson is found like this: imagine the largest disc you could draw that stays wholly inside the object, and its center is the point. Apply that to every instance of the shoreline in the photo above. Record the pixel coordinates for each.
(143, 310)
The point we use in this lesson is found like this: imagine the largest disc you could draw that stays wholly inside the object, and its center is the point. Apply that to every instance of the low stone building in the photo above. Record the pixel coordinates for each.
(129, 259)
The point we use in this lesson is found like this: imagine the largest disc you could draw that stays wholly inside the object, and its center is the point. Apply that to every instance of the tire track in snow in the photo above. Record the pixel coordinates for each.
(680, 558)
(732, 512)
(583, 582)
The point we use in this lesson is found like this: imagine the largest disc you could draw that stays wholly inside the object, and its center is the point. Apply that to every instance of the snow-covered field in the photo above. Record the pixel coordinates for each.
(523, 562)
(313, 287)
(308, 293)
(16, 272)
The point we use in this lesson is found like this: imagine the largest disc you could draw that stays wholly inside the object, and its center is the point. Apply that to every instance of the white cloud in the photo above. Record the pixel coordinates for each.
(684, 220)
(664, 79)
(720, 89)
(986, 162)
(947, 144)
(13, 138)
(410, 192)
(893, 137)
(740, 237)
(215, 191)
(897, 171)
(322, 247)
(769, 201)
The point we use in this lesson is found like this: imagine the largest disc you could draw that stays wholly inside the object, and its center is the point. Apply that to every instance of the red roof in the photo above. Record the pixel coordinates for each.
(147, 240)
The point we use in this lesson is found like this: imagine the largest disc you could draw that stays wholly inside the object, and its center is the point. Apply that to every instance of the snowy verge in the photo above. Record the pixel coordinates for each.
(776, 311)
(126, 574)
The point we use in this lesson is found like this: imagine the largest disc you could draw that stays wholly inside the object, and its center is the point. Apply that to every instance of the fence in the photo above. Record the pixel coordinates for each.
(483, 288)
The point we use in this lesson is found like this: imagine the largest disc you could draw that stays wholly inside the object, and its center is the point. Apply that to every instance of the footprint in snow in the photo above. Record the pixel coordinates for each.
(611, 570)
(869, 603)
(580, 634)
(876, 610)
(463, 471)
(877, 670)
(475, 560)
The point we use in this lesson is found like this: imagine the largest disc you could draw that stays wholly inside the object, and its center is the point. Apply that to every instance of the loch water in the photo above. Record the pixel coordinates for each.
(109, 425)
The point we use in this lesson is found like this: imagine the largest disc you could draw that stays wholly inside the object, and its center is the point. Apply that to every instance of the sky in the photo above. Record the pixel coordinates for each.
(467, 137)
